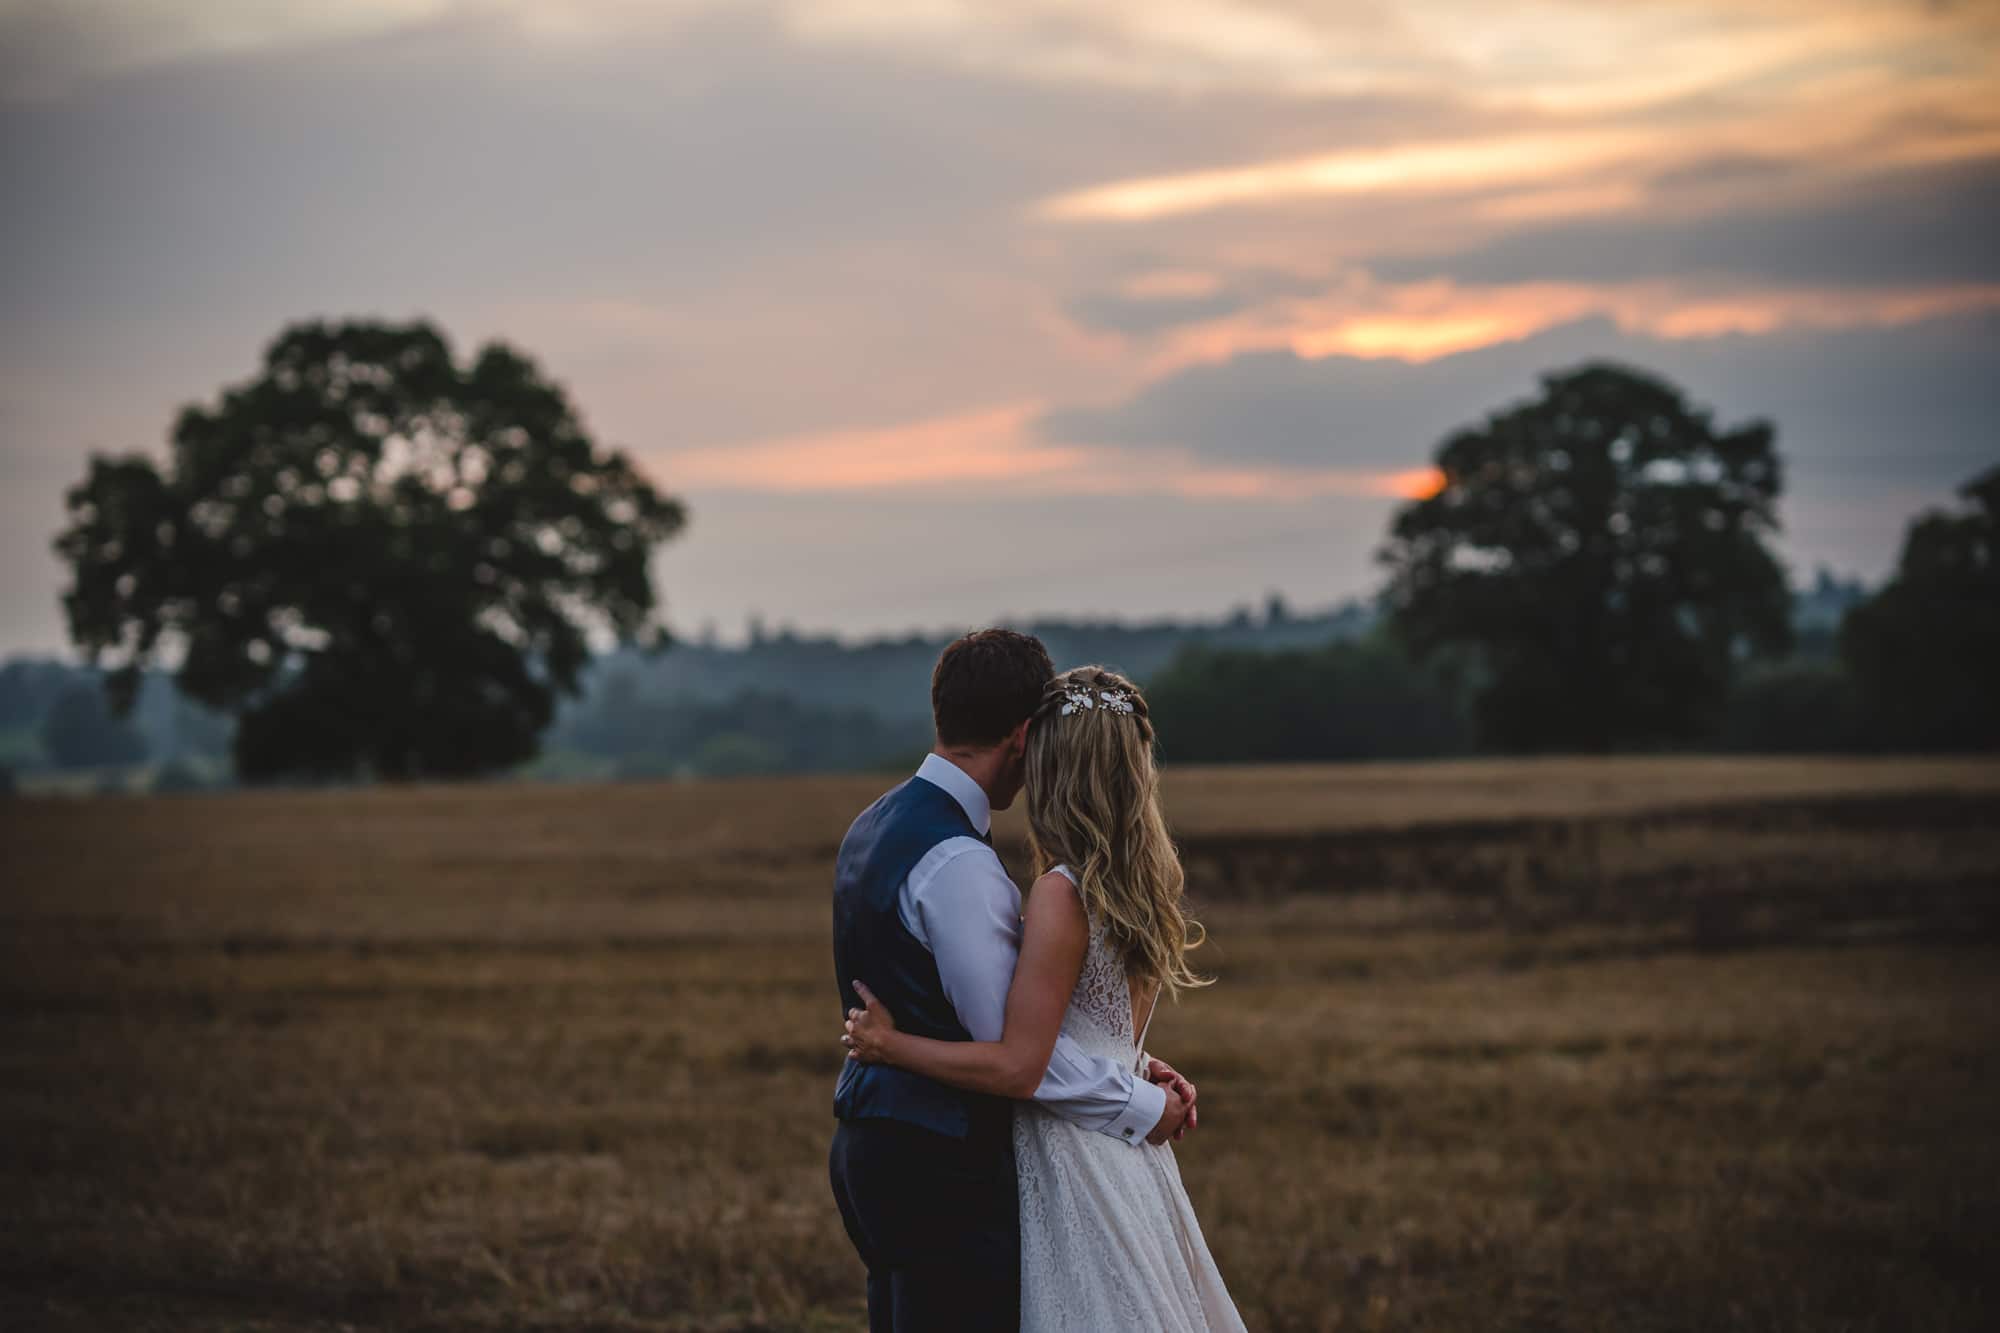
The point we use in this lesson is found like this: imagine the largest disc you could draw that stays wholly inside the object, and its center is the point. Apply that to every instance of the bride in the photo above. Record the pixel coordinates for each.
(1108, 1237)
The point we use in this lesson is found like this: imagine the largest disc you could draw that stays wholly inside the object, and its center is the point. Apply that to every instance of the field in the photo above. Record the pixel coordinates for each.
(1678, 1044)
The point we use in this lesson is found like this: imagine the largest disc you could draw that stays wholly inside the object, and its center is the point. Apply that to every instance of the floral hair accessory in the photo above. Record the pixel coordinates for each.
(1116, 701)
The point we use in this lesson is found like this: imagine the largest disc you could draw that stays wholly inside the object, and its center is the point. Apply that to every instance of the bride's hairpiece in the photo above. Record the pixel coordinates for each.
(1116, 701)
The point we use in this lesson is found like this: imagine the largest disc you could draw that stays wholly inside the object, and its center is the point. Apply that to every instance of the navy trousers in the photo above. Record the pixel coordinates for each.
(937, 1222)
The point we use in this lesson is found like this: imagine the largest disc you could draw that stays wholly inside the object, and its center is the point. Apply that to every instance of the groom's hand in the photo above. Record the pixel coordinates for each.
(869, 1029)
(1171, 1120)
(1164, 1074)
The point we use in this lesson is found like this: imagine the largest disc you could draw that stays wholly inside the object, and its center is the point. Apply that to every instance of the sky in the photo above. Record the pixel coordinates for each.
(936, 311)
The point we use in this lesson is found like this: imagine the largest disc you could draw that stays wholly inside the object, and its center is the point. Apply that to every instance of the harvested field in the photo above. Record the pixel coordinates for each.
(1687, 1044)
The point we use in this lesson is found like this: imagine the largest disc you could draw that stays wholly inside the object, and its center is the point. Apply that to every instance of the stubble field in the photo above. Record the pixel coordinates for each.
(1679, 1044)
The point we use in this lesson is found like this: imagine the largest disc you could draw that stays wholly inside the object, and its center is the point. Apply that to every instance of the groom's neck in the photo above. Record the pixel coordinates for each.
(983, 766)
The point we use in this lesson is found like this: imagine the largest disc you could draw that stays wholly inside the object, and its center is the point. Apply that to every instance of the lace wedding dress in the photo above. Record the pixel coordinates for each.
(1108, 1238)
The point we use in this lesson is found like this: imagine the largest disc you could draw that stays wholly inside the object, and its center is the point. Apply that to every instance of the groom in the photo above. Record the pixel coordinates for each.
(924, 911)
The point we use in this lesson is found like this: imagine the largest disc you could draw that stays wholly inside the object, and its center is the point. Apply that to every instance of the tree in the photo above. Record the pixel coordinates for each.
(80, 731)
(382, 560)
(1340, 701)
(1925, 651)
(1601, 553)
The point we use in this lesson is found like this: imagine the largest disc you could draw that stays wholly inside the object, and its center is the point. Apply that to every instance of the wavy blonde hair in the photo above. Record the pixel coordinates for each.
(1093, 795)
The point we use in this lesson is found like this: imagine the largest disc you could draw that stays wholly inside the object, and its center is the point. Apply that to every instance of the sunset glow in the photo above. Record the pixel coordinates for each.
(827, 267)
(1423, 321)
(1419, 483)
(1536, 176)
(999, 452)
(984, 446)
(1420, 168)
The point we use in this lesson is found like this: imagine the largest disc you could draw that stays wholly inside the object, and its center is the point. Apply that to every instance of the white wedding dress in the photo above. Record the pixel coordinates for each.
(1109, 1240)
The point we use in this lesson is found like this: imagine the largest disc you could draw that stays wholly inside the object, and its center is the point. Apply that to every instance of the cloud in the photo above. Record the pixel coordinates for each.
(47, 45)
(1412, 169)
(1922, 225)
(1357, 315)
(1564, 57)
(1623, 166)
(1909, 408)
(993, 452)
(712, 232)
(981, 447)
(476, 153)
(1139, 316)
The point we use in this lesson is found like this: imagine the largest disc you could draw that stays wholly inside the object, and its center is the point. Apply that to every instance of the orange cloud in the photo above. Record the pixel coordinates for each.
(1292, 485)
(1423, 321)
(1413, 168)
(1573, 132)
(995, 451)
(1421, 337)
(1763, 312)
(1568, 57)
(989, 445)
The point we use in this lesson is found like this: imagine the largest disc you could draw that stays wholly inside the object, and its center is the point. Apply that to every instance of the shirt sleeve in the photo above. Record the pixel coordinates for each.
(970, 914)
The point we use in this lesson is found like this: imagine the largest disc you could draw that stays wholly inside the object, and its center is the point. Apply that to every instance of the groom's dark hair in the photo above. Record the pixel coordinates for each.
(986, 683)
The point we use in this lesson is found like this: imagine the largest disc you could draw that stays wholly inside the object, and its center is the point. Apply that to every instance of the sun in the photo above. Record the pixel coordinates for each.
(1416, 484)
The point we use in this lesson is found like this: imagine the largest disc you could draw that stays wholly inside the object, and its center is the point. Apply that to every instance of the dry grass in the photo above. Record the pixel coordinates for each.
(1692, 1044)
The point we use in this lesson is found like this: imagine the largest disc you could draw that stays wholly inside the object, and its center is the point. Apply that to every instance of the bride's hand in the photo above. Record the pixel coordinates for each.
(870, 1029)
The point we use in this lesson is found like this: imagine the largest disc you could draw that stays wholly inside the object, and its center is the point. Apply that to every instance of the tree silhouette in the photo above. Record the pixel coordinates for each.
(1600, 554)
(383, 560)
(1925, 651)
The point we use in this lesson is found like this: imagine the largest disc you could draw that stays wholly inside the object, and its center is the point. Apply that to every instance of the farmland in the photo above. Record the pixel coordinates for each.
(1661, 1044)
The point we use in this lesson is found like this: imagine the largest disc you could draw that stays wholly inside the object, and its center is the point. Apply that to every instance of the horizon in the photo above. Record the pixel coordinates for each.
(1257, 608)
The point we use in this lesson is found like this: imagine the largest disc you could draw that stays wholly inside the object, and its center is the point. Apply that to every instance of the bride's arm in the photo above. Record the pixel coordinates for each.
(1055, 935)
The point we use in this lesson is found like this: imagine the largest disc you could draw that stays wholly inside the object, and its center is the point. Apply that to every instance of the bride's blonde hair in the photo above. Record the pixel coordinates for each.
(1093, 794)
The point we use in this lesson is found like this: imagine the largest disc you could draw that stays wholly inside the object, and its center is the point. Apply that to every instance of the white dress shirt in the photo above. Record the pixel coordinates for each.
(961, 905)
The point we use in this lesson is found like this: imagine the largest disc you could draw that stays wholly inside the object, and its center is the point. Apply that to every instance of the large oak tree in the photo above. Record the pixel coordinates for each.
(382, 560)
(1599, 554)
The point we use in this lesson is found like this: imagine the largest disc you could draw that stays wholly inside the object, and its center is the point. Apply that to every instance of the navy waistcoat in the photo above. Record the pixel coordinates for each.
(872, 945)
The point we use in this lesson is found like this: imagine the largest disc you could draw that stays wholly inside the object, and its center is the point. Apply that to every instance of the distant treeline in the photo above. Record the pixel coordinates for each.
(782, 702)
(1270, 686)
(1367, 698)
(1362, 700)
(626, 735)
(891, 676)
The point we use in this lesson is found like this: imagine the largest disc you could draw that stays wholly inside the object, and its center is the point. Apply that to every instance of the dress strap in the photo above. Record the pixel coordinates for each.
(1139, 1042)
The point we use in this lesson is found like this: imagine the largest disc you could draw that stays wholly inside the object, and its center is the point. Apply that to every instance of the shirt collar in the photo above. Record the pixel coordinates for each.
(941, 772)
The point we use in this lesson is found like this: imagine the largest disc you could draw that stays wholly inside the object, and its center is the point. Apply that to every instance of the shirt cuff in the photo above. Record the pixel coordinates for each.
(1136, 1121)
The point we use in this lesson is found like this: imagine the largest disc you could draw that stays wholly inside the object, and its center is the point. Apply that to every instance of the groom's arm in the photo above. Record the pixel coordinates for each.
(969, 914)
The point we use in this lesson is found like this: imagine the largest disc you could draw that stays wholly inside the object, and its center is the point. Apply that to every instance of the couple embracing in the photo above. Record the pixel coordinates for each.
(1003, 1156)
